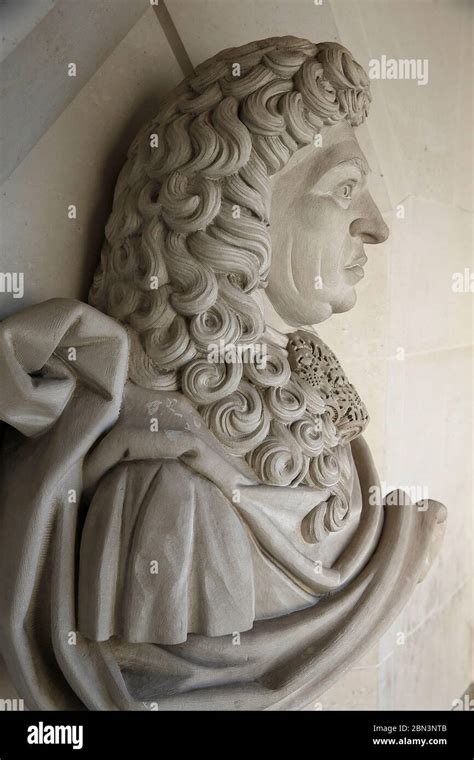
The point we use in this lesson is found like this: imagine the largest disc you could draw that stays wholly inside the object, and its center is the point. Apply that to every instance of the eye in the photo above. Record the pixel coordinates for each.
(343, 192)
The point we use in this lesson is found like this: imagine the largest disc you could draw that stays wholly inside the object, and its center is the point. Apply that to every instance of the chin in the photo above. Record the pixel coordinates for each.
(348, 301)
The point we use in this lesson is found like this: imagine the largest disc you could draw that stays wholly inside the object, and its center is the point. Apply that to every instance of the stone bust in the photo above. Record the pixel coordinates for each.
(188, 513)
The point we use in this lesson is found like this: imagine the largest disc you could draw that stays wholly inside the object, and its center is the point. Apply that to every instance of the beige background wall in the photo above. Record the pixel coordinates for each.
(417, 143)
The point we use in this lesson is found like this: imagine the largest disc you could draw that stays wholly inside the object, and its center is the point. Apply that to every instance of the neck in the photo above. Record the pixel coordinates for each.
(272, 318)
(277, 330)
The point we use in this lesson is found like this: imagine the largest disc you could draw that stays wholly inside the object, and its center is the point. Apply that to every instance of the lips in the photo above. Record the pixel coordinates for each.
(358, 262)
(355, 269)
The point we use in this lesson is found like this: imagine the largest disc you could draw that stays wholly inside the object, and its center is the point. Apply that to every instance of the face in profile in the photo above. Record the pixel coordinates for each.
(322, 215)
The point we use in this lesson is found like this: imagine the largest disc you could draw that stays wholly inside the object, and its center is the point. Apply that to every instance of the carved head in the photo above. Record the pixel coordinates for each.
(227, 171)
(322, 214)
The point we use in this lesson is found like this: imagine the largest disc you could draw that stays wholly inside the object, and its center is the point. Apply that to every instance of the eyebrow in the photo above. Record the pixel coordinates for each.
(360, 163)
(357, 161)
(347, 152)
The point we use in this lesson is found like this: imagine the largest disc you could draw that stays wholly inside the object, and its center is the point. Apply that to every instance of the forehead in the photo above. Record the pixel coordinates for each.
(339, 144)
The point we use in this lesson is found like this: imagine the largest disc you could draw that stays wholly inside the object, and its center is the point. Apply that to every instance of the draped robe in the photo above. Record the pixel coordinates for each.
(146, 568)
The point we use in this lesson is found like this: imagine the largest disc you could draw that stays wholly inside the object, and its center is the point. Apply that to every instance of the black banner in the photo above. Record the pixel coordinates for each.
(342, 734)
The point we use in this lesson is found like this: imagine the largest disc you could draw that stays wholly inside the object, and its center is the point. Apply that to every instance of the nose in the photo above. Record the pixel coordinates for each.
(370, 227)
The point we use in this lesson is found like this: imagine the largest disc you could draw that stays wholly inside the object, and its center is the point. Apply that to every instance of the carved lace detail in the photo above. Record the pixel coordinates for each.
(335, 415)
(326, 385)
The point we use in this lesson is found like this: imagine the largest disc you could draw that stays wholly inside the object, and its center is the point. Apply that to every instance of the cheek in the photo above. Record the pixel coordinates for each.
(306, 259)
(296, 245)
(320, 232)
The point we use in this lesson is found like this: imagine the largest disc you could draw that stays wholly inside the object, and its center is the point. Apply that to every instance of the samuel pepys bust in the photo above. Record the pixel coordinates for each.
(187, 509)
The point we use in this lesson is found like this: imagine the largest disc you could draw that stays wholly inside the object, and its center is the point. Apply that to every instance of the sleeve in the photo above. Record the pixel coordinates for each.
(58, 403)
(46, 349)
